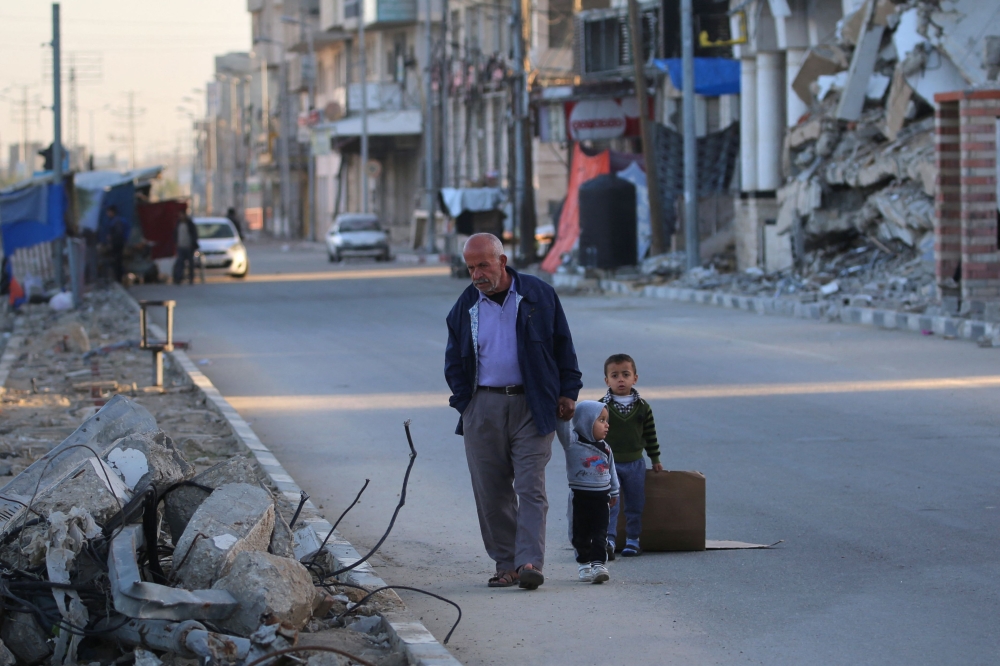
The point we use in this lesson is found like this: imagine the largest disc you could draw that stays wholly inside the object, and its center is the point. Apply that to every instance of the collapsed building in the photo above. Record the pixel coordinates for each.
(840, 159)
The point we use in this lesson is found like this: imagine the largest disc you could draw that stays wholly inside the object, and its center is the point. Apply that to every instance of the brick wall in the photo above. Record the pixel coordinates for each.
(969, 186)
(947, 200)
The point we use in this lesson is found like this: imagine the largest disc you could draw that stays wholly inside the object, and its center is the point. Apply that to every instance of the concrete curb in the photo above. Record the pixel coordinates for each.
(966, 329)
(406, 635)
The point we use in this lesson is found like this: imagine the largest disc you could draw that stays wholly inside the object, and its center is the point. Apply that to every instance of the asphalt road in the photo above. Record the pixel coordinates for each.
(843, 441)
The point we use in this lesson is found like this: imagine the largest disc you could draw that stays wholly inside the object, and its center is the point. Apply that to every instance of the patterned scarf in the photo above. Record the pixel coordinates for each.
(624, 410)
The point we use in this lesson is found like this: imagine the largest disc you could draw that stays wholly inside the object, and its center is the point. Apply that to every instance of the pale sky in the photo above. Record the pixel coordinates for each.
(161, 49)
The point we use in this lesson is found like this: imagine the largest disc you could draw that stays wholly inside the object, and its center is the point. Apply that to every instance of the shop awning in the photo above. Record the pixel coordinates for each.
(712, 76)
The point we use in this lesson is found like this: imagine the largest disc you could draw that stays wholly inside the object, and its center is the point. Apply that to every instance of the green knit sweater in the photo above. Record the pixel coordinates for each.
(630, 433)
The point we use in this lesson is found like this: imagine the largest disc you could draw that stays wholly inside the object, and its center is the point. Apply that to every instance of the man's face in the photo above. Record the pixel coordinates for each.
(620, 378)
(487, 271)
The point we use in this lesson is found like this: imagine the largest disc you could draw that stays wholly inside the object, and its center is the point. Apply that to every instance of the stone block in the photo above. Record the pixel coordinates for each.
(181, 504)
(23, 637)
(282, 540)
(268, 588)
(236, 517)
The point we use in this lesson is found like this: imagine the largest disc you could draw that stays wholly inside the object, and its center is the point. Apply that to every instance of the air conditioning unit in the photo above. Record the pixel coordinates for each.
(602, 44)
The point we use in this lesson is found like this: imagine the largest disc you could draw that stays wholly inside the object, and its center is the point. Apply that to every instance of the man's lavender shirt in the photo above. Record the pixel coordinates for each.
(498, 365)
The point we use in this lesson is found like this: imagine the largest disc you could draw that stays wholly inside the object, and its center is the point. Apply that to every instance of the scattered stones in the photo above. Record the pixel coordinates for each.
(269, 589)
(234, 518)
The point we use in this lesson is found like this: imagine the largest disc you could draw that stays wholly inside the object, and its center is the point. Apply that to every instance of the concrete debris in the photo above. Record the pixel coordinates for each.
(25, 639)
(234, 518)
(267, 588)
(146, 658)
(181, 504)
(76, 510)
(6, 656)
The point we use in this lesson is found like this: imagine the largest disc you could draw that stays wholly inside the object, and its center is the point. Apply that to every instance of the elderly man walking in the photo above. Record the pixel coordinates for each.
(512, 370)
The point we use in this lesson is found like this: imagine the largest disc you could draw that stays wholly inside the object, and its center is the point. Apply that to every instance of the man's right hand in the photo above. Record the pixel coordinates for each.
(566, 409)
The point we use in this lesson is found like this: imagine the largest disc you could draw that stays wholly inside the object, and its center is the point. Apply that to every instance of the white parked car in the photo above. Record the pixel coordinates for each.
(221, 246)
(357, 235)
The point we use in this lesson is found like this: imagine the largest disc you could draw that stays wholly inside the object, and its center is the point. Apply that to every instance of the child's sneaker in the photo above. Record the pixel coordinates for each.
(631, 548)
(599, 573)
(609, 547)
(586, 575)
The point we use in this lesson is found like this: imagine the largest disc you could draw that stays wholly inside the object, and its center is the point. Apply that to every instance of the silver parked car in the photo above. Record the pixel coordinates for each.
(221, 247)
(357, 235)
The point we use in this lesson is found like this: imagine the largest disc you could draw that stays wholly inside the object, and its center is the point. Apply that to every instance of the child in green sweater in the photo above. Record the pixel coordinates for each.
(632, 429)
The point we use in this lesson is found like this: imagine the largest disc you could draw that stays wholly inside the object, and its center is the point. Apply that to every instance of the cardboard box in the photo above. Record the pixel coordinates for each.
(674, 517)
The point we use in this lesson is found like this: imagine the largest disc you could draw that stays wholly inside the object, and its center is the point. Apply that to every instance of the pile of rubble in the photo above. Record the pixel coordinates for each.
(856, 214)
(127, 542)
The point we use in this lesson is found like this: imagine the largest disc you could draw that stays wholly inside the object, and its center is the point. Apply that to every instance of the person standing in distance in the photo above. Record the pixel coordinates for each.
(512, 370)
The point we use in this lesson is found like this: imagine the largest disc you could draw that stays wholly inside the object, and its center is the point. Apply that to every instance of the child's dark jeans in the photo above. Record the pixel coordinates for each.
(632, 480)
(590, 523)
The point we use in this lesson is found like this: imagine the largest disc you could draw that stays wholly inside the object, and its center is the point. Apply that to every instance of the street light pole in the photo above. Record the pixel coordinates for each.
(57, 157)
(429, 132)
(691, 238)
(364, 106)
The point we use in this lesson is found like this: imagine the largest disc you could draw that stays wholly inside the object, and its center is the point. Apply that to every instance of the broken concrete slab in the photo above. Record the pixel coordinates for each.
(145, 459)
(182, 502)
(900, 93)
(117, 419)
(937, 74)
(958, 28)
(821, 60)
(282, 539)
(236, 517)
(23, 637)
(136, 598)
(95, 485)
(268, 589)
(852, 100)
(805, 132)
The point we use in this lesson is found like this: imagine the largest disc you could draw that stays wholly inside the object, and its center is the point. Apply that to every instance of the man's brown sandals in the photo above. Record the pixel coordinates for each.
(529, 577)
(503, 579)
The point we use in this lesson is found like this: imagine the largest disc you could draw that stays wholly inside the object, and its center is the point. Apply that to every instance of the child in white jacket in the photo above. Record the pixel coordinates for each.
(590, 469)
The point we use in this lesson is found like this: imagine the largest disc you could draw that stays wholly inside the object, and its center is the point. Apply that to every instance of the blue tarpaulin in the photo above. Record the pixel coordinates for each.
(712, 76)
(32, 215)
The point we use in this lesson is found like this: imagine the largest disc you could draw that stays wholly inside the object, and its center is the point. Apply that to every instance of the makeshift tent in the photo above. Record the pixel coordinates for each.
(32, 215)
(635, 175)
(474, 209)
(158, 221)
(96, 190)
(712, 76)
(582, 169)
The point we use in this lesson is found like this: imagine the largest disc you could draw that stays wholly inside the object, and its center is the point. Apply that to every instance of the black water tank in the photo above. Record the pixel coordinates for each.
(607, 223)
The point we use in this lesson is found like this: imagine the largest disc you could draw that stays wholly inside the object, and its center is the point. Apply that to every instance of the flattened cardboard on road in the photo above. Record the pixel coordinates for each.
(674, 517)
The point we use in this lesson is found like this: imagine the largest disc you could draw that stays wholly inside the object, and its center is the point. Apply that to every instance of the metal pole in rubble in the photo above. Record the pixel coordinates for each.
(690, 141)
(57, 156)
(519, 89)
(429, 131)
(657, 242)
(364, 106)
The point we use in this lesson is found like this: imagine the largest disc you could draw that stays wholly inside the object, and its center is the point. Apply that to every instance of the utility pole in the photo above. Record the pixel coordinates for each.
(364, 106)
(521, 221)
(429, 132)
(306, 35)
(690, 141)
(658, 244)
(131, 129)
(283, 137)
(57, 157)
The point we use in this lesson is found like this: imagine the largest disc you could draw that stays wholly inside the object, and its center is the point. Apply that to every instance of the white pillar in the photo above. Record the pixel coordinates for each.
(770, 118)
(748, 124)
(796, 108)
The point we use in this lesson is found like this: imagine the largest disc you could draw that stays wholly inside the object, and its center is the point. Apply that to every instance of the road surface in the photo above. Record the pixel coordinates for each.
(849, 444)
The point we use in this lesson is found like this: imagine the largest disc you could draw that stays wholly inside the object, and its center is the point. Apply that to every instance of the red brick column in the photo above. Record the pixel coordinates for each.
(980, 267)
(948, 199)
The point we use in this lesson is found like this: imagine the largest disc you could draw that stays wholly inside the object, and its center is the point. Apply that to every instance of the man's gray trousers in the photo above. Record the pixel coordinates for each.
(507, 459)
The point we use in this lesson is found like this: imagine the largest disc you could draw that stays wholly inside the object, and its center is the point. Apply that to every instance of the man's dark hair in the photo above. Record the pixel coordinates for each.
(619, 358)
(112, 209)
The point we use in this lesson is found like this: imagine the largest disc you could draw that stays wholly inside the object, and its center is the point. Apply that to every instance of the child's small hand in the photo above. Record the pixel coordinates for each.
(613, 501)
(657, 468)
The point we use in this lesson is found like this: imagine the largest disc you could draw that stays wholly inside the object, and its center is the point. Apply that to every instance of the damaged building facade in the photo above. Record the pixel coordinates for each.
(872, 122)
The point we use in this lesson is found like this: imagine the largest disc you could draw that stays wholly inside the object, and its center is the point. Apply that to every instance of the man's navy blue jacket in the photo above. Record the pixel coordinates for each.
(545, 351)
